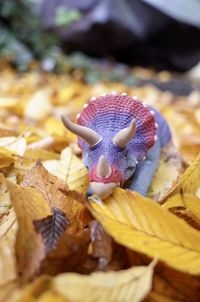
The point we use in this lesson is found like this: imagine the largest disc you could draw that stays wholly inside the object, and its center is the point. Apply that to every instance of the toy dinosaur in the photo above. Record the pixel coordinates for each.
(121, 138)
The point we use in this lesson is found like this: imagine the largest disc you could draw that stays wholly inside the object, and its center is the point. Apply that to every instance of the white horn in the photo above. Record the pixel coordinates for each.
(123, 137)
(103, 168)
(87, 134)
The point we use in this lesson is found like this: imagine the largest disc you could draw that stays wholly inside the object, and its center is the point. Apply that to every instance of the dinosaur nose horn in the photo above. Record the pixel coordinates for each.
(88, 135)
(103, 168)
(123, 137)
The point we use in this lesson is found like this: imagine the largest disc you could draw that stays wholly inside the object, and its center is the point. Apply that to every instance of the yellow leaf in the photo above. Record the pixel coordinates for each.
(6, 158)
(51, 296)
(8, 102)
(29, 205)
(41, 154)
(39, 105)
(16, 145)
(8, 229)
(142, 225)
(188, 201)
(54, 126)
(166, 174)
(190, 180)
(52, 189)
(5, 202)
(70, 169)
(130, 285)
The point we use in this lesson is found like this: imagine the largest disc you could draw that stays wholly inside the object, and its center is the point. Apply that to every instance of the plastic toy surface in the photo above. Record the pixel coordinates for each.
(121, 138)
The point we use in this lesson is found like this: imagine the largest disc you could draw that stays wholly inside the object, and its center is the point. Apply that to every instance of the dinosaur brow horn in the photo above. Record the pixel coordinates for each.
(123, 137)
(87, 134)
(103, 168)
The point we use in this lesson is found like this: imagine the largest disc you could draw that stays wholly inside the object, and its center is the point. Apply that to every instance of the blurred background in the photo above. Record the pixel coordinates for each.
(164, 35)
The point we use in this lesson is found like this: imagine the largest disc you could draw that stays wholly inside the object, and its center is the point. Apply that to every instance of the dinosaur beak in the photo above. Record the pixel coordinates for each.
(123, 137)
(88, 135)
(102, 190)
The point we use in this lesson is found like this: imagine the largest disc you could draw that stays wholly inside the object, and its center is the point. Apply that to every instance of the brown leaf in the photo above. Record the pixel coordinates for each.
(168, 284)
(70, 254)
(71, 249)
(55, 192)
(29, 205)
(101, 245)
(51, 228)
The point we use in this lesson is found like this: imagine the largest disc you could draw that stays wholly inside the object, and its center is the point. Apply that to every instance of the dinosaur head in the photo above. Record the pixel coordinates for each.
(107, 159)
(113, 139)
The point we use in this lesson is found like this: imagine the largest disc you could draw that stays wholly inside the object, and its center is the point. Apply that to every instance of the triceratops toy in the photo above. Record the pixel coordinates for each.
(121, 138)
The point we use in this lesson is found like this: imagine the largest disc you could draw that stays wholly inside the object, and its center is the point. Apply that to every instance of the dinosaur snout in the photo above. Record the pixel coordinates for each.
(103, 190)
(104, 178)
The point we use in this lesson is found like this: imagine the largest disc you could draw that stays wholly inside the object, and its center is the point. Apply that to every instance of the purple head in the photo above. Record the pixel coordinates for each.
(115, 132)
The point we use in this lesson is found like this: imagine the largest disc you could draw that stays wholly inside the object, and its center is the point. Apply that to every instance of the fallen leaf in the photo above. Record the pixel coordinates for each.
(8, 102)
(188, 201)
(9, 292)
(39, 105)
(185, 206)
(129, 285)
(73, 243)
(102, 248)
(189, 181)
(5, 202)
(16, 145)
(55, 192)
(70, 169)
(40, 154)
(6, 158)
(8, 229)
(168, 283)
(51, 228)
(142, 225)
(43, 143)
(29, 205)
(167, 173)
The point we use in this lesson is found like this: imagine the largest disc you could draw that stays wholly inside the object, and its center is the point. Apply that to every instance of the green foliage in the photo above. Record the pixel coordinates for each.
(21, 36)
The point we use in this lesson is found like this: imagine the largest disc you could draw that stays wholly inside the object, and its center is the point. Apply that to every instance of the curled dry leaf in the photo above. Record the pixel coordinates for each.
(70, 169)
(142, 225)
(29, 205)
